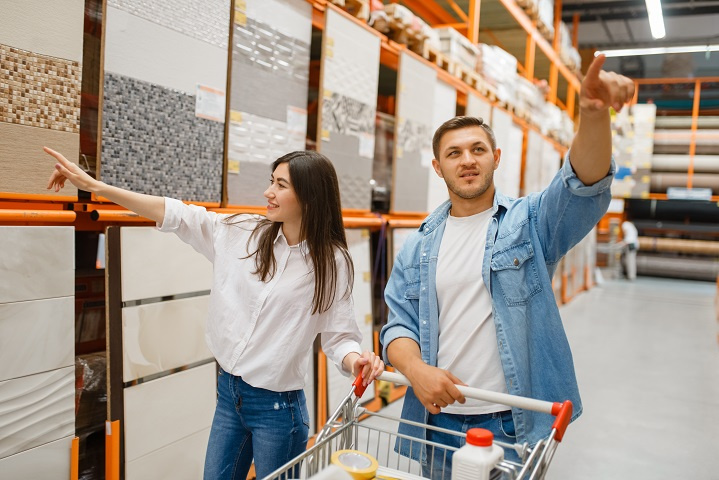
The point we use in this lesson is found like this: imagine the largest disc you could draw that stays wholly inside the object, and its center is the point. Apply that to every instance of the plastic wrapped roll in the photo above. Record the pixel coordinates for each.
(680, 163)
(676, 245)
(661, 181)
(678, 267)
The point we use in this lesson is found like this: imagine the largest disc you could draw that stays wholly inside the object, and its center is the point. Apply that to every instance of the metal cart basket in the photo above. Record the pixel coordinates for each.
(344, 430)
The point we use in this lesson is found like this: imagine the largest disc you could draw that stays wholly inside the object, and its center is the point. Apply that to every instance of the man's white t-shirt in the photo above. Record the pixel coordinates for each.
(467, 337)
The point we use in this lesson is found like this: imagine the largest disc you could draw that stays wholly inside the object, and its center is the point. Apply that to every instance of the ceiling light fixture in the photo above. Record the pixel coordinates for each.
(629, 52)
(656, 19)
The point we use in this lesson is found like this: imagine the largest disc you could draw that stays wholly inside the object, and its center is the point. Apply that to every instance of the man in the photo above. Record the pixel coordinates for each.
(470, 293)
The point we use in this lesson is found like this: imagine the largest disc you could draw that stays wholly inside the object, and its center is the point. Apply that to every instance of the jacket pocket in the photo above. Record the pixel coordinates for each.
(516, 271)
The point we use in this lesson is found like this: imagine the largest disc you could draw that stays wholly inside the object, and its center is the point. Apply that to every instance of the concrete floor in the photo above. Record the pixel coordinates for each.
(647, 361)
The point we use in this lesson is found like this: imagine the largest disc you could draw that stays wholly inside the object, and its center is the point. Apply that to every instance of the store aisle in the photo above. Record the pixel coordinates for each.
(647, 361)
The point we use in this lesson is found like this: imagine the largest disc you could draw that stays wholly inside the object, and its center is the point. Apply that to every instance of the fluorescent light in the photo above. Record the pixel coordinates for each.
(656, 19)
(628, 52)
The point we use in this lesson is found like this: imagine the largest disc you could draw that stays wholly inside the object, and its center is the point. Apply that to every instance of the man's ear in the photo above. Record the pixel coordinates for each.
(497, 155)
(435, 165)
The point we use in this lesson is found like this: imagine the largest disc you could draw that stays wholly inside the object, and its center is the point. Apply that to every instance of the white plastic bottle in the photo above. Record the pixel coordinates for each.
(476, 459)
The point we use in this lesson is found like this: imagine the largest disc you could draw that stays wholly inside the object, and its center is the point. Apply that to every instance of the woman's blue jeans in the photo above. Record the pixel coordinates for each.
(271, 427)
(439, 465)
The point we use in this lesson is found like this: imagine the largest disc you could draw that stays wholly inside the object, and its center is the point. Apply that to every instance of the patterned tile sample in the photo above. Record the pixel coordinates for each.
(268, 94)
(42, 263)
(49, 28)
(25, 167)
(37, 409)
(49, 462)
(161, 336)
(413, 148)
(184, 458)
(445, 108)
(39, 91)
(358, 242)
(153, 142)
(142, 49)
(36, 336)
(150, 425)
(350, 75)
(509, 140)
(208, 20)
(176, 267)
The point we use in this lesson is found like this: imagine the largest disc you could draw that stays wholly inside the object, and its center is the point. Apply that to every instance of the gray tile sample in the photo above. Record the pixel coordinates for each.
(153, 143)
(247, 187)
(354, 172)
(208, 20)
(411, 193)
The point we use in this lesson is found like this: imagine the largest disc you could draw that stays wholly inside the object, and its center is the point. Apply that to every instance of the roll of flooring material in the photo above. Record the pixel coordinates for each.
(671, 149)
(358, 464)
(678, 267)
(686, 122)
(709, 136)
(680, 163)
(661, 181)
(677, 245)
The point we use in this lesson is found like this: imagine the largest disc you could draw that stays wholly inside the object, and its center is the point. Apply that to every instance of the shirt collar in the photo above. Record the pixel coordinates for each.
(302, 246)
(442, 212)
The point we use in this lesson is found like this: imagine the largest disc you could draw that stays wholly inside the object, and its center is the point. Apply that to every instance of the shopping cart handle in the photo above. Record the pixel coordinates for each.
(563, 412)
(359, 388)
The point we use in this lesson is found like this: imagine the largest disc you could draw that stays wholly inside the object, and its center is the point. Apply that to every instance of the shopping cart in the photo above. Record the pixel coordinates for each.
(344, 430)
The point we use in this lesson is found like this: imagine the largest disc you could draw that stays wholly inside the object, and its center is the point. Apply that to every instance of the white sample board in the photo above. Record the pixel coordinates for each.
(479, 107)
(358, 241)
(445, 108)
(509, 140)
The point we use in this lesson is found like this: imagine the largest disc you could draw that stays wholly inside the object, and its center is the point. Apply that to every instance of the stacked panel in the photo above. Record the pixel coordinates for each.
(509, 140)
(268, 94)
(413, 135)
(163, 104)
(37, 341)
(40, 84)
(542, 162)
(350, 76)
(445, 108)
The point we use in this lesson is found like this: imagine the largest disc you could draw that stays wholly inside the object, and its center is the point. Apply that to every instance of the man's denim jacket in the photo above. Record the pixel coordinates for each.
(525, 240)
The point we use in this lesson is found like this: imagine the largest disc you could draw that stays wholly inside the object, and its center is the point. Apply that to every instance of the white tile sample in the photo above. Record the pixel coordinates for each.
(287, 16)
(37, 409)
(141, 49)
(184, 458)
(50, 461)
(551, 161)
(157, 264)
(445, 108)
(36, 336)
(478, 107)
(534, 163)
(50, 28)
(36, 263)
(358, 242)
(163, 411)
(164, 335)
(509, 139)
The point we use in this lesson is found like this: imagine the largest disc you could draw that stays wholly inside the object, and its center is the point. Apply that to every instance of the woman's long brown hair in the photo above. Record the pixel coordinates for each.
(315, 183)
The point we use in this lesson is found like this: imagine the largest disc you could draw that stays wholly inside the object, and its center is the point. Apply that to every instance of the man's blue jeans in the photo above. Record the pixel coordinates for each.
(439, 465)
(271, 427)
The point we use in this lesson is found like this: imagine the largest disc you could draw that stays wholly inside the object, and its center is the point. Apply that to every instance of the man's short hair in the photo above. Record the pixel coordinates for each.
(461, 122)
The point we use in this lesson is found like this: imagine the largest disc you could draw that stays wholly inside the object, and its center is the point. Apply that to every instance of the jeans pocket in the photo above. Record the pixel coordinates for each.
(506, 424)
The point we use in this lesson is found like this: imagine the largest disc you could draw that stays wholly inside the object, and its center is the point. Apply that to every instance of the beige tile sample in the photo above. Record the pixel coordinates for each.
(50, 461)
(164, 335)
(161, 412)
(38, 262)
(157, 264)
(37, 409)
(184, 458)
(36, 336)
(52, 28)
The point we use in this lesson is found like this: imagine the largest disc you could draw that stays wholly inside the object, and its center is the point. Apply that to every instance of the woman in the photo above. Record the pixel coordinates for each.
(278, 281)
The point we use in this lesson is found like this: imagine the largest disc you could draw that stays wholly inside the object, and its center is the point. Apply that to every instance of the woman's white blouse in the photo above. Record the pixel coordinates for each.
(261, 331)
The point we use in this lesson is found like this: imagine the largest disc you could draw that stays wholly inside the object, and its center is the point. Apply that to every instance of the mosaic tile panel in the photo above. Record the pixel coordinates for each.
(353, 172)
(153, 142)
(39, 91)
(206, 20)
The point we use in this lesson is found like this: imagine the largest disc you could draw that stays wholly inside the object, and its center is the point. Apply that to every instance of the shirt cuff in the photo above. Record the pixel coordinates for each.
(173, 215)
(393, 334)
(575, 185)
(342, 351)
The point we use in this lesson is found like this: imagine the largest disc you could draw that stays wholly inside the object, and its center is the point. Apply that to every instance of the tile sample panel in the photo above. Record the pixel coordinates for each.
(478, 107)
(268, 94)
(350, 75)
(49, 28)
(397, 236)
(509, 139)
(36, 336)
(157, 264)
(534, 164)
(37, 409)
(157, 56)
(358, 241)
(50, 461)
(161, 336)
(413, 134)
(42, 263)
(172, 461)
(150, 423)
(445, 108)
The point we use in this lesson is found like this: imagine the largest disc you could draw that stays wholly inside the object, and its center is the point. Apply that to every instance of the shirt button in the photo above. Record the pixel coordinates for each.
(424, 254)
(516, 262)
(424, 322)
